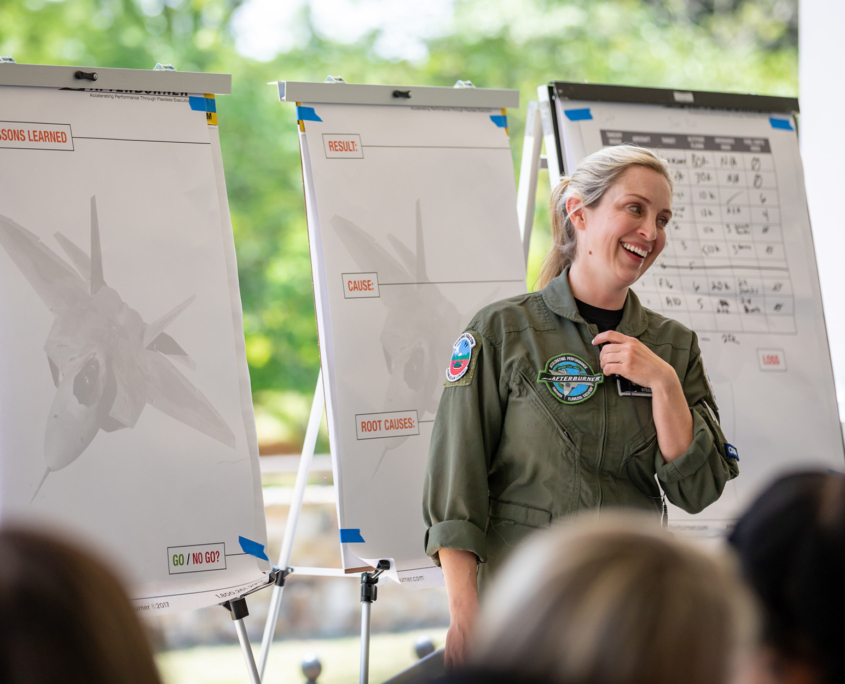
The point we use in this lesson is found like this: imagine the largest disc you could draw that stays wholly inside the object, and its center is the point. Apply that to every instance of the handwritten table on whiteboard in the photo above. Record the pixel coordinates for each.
(738, 268)
(724, 267)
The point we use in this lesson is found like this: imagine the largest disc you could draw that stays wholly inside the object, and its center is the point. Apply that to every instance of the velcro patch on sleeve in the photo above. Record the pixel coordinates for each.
(464, 359)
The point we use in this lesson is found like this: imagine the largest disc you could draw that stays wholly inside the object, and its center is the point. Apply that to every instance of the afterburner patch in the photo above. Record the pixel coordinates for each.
(570, 379)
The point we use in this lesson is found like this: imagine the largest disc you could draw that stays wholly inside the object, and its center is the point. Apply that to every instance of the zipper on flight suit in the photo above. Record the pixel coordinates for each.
(595, 331)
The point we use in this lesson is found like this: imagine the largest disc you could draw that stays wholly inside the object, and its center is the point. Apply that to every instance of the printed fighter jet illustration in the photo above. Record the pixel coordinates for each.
(421, 324)
(107, 364)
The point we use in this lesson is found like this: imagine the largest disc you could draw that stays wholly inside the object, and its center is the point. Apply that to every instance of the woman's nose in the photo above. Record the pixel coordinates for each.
(648, 229)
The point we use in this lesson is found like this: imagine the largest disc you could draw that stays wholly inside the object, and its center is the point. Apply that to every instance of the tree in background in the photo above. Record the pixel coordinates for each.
(731, 45)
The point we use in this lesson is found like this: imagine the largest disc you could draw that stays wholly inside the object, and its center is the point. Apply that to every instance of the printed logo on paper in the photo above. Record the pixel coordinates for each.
(461, 356)
(570, 379)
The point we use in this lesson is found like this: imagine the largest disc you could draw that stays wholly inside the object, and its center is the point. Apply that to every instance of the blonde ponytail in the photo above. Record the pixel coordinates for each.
(562, 253)
(594, 176)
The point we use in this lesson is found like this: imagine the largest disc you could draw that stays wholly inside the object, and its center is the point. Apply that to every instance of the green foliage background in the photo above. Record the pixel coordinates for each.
(730, 45)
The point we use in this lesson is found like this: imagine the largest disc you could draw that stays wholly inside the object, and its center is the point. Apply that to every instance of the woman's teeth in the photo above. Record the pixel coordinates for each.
(639, 251)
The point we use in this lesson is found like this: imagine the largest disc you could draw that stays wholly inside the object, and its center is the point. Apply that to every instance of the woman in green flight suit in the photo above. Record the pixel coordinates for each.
(574, 397)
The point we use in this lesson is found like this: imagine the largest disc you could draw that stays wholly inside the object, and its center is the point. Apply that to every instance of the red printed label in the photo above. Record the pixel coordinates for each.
(35, 136)
(771, 359)
(381, 425)
(200, 558)
(357, 285)
(343, 146)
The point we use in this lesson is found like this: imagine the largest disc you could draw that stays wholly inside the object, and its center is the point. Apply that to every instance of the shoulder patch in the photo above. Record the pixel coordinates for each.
(464, 359)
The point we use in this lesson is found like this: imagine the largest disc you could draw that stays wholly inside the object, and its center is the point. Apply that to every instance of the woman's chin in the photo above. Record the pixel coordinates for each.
(628, 275)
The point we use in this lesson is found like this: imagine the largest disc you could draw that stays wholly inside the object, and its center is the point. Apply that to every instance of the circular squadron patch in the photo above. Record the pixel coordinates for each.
(569, 379)
(461, 356)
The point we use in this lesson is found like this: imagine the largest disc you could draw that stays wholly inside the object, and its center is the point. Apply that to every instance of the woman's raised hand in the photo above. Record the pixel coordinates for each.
(630, 358)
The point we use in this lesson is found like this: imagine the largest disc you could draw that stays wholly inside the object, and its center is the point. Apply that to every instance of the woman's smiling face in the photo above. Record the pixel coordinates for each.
(619, 238)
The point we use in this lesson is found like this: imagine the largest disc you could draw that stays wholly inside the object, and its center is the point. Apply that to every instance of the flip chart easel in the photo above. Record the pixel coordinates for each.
(61, 125)
(401, 142)
(739, 266)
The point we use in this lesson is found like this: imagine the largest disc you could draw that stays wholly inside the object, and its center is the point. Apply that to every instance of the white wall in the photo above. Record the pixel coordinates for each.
(822, 134)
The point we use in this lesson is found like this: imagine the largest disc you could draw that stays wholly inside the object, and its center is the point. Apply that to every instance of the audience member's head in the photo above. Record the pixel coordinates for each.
(791, 545)
(615, 601)
(65, 618)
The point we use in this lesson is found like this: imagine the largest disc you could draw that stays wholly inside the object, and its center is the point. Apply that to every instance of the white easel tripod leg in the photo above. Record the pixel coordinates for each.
(532, 162)
(239, 611)
(308, 447)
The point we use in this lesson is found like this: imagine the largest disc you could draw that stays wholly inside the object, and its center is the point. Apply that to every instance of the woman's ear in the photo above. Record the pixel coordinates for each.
(575, 209)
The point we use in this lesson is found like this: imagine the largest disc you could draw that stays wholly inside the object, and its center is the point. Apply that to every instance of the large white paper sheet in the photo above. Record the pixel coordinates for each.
(738, 268)
(125, 411)
(413, 227)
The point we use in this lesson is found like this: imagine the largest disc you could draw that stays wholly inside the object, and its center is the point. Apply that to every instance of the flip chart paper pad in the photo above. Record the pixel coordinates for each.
(413, 228)
(739, 269)
(123, 378)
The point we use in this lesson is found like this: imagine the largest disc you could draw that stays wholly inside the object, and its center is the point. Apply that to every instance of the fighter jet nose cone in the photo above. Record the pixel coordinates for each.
(71, 427)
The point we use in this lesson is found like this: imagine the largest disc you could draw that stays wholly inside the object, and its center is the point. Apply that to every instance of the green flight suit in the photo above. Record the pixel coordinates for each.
(511, 453)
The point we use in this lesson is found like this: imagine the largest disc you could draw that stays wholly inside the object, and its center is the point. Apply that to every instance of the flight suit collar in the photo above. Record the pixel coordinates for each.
(559, 298)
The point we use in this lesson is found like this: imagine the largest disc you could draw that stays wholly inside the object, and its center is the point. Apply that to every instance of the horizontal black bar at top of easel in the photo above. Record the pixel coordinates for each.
(599, 92)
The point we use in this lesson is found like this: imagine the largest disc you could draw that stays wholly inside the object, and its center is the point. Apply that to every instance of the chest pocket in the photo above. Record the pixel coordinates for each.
(524, 387)
(537, 463)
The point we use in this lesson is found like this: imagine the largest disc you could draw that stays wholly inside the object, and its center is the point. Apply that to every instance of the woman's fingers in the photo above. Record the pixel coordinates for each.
(617, 360)
(610, 336)
(614, 351)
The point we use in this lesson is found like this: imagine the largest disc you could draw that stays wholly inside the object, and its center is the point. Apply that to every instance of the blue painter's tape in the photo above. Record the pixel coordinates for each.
(306, 114)
(202, 104)
(351, 535)
(578, 114)
(782, 124)
(253, 548)
(500, 120)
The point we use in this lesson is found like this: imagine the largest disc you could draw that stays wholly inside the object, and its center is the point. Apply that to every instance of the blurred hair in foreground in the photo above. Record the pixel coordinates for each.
(65, 617)
(616, 601)
(791, 545)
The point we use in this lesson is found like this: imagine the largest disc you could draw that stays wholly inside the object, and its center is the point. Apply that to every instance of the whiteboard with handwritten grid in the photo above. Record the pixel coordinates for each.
(739, 268)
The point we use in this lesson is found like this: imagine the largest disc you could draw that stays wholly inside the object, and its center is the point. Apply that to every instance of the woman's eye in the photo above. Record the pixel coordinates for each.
(662, 222)
(635, 208)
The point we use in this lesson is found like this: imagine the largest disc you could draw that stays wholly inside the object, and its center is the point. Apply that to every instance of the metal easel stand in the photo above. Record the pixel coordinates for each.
(369, 594)
(368, 579)
(308, 447)
(237, 607)
(537, 127)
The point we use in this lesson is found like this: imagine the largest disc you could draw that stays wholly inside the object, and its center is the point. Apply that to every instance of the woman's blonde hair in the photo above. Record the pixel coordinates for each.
(615, 601)
(593, 177)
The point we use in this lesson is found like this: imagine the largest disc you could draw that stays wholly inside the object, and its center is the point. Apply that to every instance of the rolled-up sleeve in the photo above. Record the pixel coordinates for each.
(698, 477)
(465, 436)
